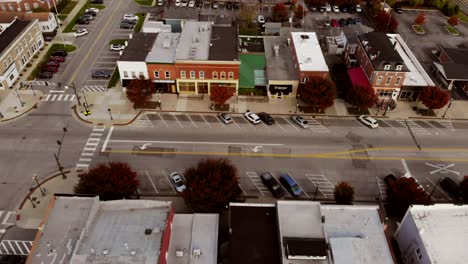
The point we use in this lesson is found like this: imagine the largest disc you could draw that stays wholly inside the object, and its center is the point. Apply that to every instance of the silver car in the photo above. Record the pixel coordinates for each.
(177, 181)
(300, 121)
(226, 118)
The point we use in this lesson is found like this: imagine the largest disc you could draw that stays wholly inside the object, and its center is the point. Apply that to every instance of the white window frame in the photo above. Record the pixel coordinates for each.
(3, 9)
(398, 80)
(399, 67)
(389, 80)
(304, 79)
(125, 74)
(201, 74)
(387, 67)
(167, 74)
(214, 75)
(27, 7)
(183, 74)
(133, 74)
(156, 74)
(36, 5)
(192, 74)
(230, 75)
(379, 80)
(222, 75)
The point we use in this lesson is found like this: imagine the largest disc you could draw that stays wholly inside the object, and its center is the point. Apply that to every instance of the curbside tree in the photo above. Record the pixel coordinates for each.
(433, 97)
(220, 95)
(344, 193)
(361, 96)
(453, 21)
(318, 92)
(464, 189)
(140, 91)
(420, 19)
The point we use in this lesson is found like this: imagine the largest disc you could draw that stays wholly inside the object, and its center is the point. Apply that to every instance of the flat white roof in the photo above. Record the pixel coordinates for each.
(164, 48)
(416, 76)
(308, 51)
(191, 232)
(444, 231)
(356, 234)
(194, 42)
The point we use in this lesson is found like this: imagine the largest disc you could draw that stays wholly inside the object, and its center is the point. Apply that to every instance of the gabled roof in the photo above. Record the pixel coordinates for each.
(453, 71)
(457, 55)
(11, 32)
(7, 17)
(381, 50)
(138, 47)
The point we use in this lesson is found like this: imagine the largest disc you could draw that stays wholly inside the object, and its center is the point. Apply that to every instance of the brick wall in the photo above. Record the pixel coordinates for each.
(27, 5)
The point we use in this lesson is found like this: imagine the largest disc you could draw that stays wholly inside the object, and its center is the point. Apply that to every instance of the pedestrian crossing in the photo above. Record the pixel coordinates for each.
(414, 127)
(257, 182)
(316, 126)
(15, 247)
(325, 187)
(90, 148)
(59, 97)
(94, 88)
(7, 218)
(142, 121)
(447, 124)
(382, 188)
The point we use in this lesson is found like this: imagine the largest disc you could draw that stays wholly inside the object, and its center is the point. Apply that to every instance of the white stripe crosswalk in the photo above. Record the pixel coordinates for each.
(316, 126)
(94, 88)
(142, 121)
(59, 97)
(447, 124)
(89, 148)
(15, 247)
(7, 217)
(414, 127)
(325, 187)
(257, 182)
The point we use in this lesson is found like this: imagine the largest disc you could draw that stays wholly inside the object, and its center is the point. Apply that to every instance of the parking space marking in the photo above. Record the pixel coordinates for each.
(7, 217)
(291, 124)
(208, 123)
(192, 121)
(160, 116)
(382, 188)
(303, 190)
(393, 128)
(151, 181)
(142, 121)
(447, 124)
(316, 126)
(255, 178)
(242, 189)
(325, 187)
(437, 188)
(280, 126)
(415, 128)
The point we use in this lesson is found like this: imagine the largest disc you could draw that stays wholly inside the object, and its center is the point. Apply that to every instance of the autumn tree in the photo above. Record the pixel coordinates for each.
(299, 12)
(420, 19)
(416, 2)
(361, 96)
(220, 95)
(453, 20)
(280, 13)
(464, 189)
(211, 185)
(385, 22)
(318, 92)
(113, 181)
(404, 192)
(315, 2)
(433, 97)
(140, 91)
(344, 193)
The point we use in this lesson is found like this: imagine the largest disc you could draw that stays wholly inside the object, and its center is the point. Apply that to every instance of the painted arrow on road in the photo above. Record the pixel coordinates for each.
(257, 149)
(145, 146)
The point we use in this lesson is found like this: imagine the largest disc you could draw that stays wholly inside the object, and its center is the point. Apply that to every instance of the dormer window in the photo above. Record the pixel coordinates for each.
(399, 67)
(387, 66)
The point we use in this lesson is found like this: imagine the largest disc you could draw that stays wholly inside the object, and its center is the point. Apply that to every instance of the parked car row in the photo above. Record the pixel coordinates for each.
(258, 118)
(336, 9)
(87, 16)
(286, 180)
(129, 21)
(342, 22)
(52, 65)
(199, 4)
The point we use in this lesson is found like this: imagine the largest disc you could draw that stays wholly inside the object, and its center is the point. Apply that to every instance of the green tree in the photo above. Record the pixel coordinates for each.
(211, 185)
(140, 91)
(344, 193)
(110, 182)
(318, 92)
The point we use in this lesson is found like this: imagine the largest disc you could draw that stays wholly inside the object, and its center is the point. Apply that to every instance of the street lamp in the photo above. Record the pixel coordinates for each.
(76, 94)
(33, 205)
(38, 185)
(56, 156)
(110, 113)
(448, 107)
(1, 115)
(316, 191)
(86, 102)
(19, 98)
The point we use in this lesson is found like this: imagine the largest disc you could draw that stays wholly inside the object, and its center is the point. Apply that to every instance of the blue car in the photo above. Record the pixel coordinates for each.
(290, 184)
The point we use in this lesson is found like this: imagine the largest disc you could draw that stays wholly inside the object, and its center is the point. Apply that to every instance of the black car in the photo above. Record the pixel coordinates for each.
(199, 3)
(352, 9)
(237, 5)
(126, 25)
(228, 5)
(344, 8)
(451, 188)
(87, 16)
(350, 21)
(272, 184)
(266, 118)
(60, 53)
(81, 21)
(342, 22)
(97, 2)
(90, 12)
(45, 75)
(128, 21)
(101, 75)
(322, 9)
(312, 8)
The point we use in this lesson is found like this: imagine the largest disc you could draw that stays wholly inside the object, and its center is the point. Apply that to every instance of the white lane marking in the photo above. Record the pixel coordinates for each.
(440, 189)
(180, 124)
(100, 129)
(89, 149)
(192, 121)
(82, 165)
(442, 168)
(6, 218)
(242, 189)
(47, 97)
(95, 135)
(19, 247)
(195, 142)
(56, 91)
(107, 139)
(293, 125)
(163, 120)
(53, 97)
(151, 181)
(87, 154)
(405, 166)
(206, 121)
(85, 160)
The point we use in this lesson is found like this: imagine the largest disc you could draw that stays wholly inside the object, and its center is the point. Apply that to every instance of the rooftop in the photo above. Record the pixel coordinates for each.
(10, 33)
(254, 234)
(7, 17)
(380, 50)
(358, 77)
(164, 48)
(138, 47)
(250, 70)
(308, 52)
(457, 55)
(192, 232)
(457, 68)
(444, 230)
(194, 43)
(223, 45)
(279, 67)
(356, 234)
(177, 13)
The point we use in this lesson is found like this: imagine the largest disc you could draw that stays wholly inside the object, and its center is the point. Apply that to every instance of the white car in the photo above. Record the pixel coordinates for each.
(160, 2)
(328, 7)
(176, 179)
(368, 121)
(358, 9)
(117, 47)
(92, 9)
(184, 3)
(252, 117)
(80, 32)
(177, 2)
(336, 9)
(300, 121)
(130, 17)
(191, 3)
(261, 19)
(409, 176)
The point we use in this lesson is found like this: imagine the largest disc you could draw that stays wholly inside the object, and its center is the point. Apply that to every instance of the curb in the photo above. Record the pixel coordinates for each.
(25, 112)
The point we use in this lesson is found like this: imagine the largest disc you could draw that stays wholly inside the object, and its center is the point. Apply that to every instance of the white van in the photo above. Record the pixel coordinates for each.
(328, 7)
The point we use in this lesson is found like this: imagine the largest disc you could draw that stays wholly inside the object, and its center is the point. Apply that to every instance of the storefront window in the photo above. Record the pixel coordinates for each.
(202, 87)
(187, 87)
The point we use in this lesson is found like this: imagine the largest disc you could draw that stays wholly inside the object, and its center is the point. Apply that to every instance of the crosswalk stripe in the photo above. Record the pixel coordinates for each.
(96, 135)
(87, 154)
(60, 97)
(85, 160)
(5, 219)
(82, 165)
(47, 97)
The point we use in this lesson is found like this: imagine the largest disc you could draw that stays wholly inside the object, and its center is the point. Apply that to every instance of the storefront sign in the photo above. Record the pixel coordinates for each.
(280, 89)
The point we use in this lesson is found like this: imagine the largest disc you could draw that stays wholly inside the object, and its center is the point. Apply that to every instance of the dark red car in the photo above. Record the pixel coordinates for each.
(49, 69)
(45, 75)
(51, 63)
(57, 58)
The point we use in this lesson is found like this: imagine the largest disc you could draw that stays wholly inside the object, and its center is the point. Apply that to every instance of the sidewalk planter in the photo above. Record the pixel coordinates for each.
(452, 30)
(418, 29)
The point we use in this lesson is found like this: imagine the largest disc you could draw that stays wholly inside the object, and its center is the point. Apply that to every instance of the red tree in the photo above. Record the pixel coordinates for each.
(140, 91)
(420, 19)
(318, 92)
(113, 181)
(433, 97)
(453, 20)
(361, 96)
(404, 192)
(385, 22)
(344, 193)
(220, 95)
(211, 185)
(280, 13)
(299, 12)
(464, 189)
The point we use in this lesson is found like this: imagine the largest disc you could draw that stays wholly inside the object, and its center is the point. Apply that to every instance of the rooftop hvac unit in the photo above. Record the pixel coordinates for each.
(304, 36)
(197, 252)
(179, 253)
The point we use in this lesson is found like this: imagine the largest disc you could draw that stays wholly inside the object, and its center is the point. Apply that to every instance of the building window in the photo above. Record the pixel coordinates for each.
(29, 54)
(29, 35)
(201, 74)
(125, 74)
(192, 74)
(223, 75)
(9, 60)
(399, 67)
(352, 49)
(183, 75)
(167, 75)
(25, 43)
(215, 75)
(385, 93)
(387, 66)
(17, 51)
(231, 75)
(379, 80)
(20, 47)
(36, 5)
(24, 60)
(133, 75)
(141, 75)
(11, 77)
(27, 7)
(39, 43)
(389, 80)
(187, 87)
(156, 74)
(304, 79)
(5, 63)
(3, 9)
(33, 48)
(1, 85)
(11, 7)
(398, 80)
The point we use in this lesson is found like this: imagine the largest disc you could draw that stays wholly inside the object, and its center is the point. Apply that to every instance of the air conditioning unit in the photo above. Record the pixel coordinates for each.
(196, 252)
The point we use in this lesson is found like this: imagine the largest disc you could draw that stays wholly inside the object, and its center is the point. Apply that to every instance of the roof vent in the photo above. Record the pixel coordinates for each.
(276, 48)
(197, 252)
(308, 60)
(166, 42)
(304, 36)
(105, 252)
(179, 253)
(196, 39)
(132, 252)
(148, 231)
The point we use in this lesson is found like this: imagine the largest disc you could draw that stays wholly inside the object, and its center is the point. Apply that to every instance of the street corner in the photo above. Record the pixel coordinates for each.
(13, 108)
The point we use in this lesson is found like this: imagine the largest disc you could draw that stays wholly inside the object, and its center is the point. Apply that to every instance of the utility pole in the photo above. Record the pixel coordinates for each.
(19, 98)
(316, 191)
(448, 107)
(60, 166)
(86, 102)
(76, 94)
(110, 113)
(56, 156)
(38, 185)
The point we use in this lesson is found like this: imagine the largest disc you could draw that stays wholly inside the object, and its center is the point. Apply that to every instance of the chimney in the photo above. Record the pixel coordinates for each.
(276, 48)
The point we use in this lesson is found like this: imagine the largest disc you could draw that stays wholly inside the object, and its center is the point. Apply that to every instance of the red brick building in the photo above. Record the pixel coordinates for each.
(26, 5)
(307, 56)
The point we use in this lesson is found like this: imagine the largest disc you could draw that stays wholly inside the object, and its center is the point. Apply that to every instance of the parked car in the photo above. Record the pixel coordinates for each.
(95, 10)
(160, 2)
(100, 75)
(177, 3)
(237, 5)
(133, 22)
(99, 2)
(184, 3)
(290, 184)
(177, 181)
(229, 5)
(398, 9)
(327, 22)
(125, 25)
(87, 17)
(51, 63)
(80, 32)
(261, 19)
(312, 8)
(352, 9)
(57, 58)
(358, 8)
(91, 13)
(409, 176)
(357, 20)
(130, 17)
(225, 118)
(117, 47)
(60, 53)
(451, 188)
(45, 75)
(252, 117)
(336, 9)
(214, 5)
(82, 21)
(49, 68)
(368, 121)
(191, 3)
(300, 121)
(342, 22)
(266, 118)
(334, 23)
(272, 184)
(390, 180)
(199, 3)
(322, 9)
(328, 7)
(344, 8)
(350, 21)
